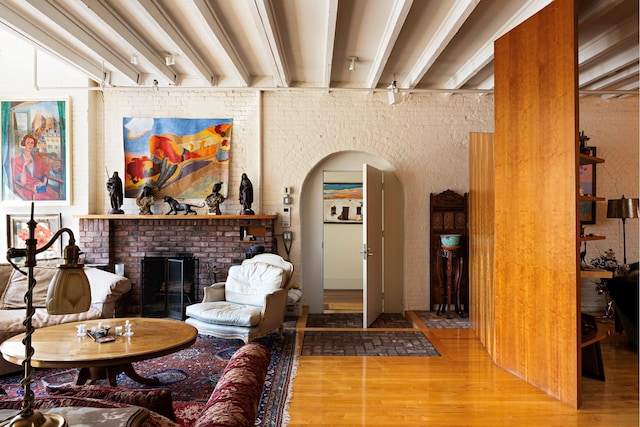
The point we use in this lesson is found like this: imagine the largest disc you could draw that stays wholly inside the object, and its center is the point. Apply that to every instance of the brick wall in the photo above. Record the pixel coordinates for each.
(214, 241)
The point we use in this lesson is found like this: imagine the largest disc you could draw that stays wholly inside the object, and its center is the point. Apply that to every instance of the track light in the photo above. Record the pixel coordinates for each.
(170, 59)
(352, 62)
(394, 95)
(155, 86)
(134, 59)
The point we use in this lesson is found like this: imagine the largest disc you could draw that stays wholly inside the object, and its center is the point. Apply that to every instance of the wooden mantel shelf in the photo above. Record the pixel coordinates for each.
(214, 217)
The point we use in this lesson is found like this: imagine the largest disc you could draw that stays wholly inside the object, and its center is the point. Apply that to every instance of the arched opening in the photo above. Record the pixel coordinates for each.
(312, 232)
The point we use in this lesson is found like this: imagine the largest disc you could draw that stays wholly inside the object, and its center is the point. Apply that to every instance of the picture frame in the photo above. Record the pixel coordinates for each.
(588, 186)
(48, 225)
(35, 152)
(342, 203)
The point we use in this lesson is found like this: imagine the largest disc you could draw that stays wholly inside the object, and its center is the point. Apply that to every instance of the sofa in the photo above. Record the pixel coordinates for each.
(233, 402)
(107, 291)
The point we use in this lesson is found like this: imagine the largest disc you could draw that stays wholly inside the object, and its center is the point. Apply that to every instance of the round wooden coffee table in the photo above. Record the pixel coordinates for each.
(59, 347)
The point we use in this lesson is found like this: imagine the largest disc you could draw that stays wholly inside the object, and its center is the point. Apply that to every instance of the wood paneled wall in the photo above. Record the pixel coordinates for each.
(481, 238)
(536, 254)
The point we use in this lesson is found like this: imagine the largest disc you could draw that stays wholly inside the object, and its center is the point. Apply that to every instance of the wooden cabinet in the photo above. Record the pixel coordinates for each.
(448, 215)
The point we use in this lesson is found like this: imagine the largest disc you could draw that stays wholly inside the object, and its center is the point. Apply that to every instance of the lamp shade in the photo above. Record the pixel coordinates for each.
(69, 291)
(622, 208)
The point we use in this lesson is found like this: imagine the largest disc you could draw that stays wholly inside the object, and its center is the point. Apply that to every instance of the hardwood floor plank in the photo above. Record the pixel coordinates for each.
(462, 387)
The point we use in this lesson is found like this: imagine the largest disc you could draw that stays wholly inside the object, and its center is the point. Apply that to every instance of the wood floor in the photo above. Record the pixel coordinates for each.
(461, 388)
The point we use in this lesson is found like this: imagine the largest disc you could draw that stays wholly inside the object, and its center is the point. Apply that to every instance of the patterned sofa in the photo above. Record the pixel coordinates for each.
(107, 290)
(233, 402)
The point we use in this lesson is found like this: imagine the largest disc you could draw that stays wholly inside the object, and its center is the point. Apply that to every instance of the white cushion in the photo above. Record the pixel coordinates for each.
(249, 283)
(225, 313)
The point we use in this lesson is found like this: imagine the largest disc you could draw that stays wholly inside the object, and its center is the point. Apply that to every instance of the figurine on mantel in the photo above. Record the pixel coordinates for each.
(214, 199)
(246, 195)
(114, 186)
(146, 200)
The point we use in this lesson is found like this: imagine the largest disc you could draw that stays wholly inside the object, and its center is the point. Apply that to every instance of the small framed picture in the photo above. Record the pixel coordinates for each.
(48, 225)
(343, 203)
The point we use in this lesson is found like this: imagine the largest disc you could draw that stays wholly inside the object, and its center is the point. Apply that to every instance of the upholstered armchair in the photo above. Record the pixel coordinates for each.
(250, 304)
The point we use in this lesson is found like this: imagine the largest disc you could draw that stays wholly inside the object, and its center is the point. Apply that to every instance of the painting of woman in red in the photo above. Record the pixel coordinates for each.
(31, 173)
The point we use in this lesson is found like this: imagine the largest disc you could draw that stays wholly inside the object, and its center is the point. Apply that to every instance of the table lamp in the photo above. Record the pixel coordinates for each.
(68, 292)
(623, 208)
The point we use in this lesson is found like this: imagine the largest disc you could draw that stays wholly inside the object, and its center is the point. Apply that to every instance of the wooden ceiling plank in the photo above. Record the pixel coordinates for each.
(398, 15)
(330, 36)
(167, 24)
(264, 18)
(57, 14)
(458, 14)
(43, 40)
(104, 12)
(218, 33)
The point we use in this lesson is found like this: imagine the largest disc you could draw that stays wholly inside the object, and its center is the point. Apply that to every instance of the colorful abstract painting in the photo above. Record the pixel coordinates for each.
(181, 158)
(342, 202)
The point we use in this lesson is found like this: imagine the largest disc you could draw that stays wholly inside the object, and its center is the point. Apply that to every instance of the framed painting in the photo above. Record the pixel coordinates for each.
(342, 203)
(181, 158)
(48, 225)
(35, 152)
(588, 186)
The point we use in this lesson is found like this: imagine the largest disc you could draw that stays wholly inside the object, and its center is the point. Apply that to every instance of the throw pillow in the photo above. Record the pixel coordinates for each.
(157, 400)
(13, 296)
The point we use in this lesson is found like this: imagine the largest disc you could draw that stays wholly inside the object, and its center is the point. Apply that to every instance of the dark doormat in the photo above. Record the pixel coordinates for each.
(354, 320)
(432, 320)
(366, 343)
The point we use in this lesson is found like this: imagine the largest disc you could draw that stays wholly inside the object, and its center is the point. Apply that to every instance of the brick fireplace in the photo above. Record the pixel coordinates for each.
(215, 240)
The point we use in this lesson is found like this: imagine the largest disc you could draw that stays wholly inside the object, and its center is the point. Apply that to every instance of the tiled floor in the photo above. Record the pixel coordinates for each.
(354, 320)
(367, 343)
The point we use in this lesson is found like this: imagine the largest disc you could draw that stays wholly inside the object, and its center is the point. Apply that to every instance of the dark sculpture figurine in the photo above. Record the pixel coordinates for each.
(175, 206)
(146, 200)
(214, 199)
(114, 186)
(246, 195)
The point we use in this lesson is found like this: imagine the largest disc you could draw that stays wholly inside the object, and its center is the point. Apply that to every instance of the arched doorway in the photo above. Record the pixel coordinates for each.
(312, 236)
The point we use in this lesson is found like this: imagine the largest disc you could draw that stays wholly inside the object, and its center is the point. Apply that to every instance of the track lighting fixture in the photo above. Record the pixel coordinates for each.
(394, 95)
(352, 62)
(134, 59)
(170, 59)
(155, 86)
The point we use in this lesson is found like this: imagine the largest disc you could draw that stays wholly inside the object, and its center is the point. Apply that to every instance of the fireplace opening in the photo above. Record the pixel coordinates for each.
(168, 285)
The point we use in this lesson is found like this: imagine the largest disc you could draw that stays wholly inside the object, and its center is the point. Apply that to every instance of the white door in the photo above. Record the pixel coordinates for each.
(372, 244)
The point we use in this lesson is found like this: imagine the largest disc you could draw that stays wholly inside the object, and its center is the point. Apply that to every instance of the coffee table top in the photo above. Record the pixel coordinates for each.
(58, 346)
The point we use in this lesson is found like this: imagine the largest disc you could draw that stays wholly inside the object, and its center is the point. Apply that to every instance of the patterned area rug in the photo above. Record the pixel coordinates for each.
(432, 320)
(366, 343)
(191, 375)
(354, 320)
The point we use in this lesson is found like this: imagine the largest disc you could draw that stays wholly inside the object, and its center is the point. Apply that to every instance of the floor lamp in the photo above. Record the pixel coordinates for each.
(623, 208)
(68, 292)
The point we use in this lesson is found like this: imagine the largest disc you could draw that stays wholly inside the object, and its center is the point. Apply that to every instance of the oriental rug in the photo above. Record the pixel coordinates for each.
(192, 373)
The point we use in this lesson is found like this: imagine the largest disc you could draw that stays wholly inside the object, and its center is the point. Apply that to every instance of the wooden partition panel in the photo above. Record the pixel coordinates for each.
(536, 254)
(481, 238)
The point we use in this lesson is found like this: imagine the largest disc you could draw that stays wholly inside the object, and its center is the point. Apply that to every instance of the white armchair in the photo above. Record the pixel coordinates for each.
(250, 304)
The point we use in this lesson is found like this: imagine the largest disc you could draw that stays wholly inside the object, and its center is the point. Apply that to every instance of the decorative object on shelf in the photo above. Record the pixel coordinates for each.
(114, 186)
(214, 199)
(176, 206)
(450, 240)
(588, 188)
(68, 293)
(146, 200)
(583, 143)
(623, 208)
(246, 195)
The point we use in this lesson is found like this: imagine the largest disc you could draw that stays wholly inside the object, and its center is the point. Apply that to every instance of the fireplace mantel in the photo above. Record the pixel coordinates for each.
(216, 240)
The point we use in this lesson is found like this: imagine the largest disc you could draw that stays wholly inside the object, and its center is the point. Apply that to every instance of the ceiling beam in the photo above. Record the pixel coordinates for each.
(485, 54)
(218, 33)
(621, 60)
(613, 38)
(397, 16)
(264, 18)
(614, 80)
(57, 14)
(458, 14)
(104, 12)
(36, 36)
(167, 24)
(330, 37)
